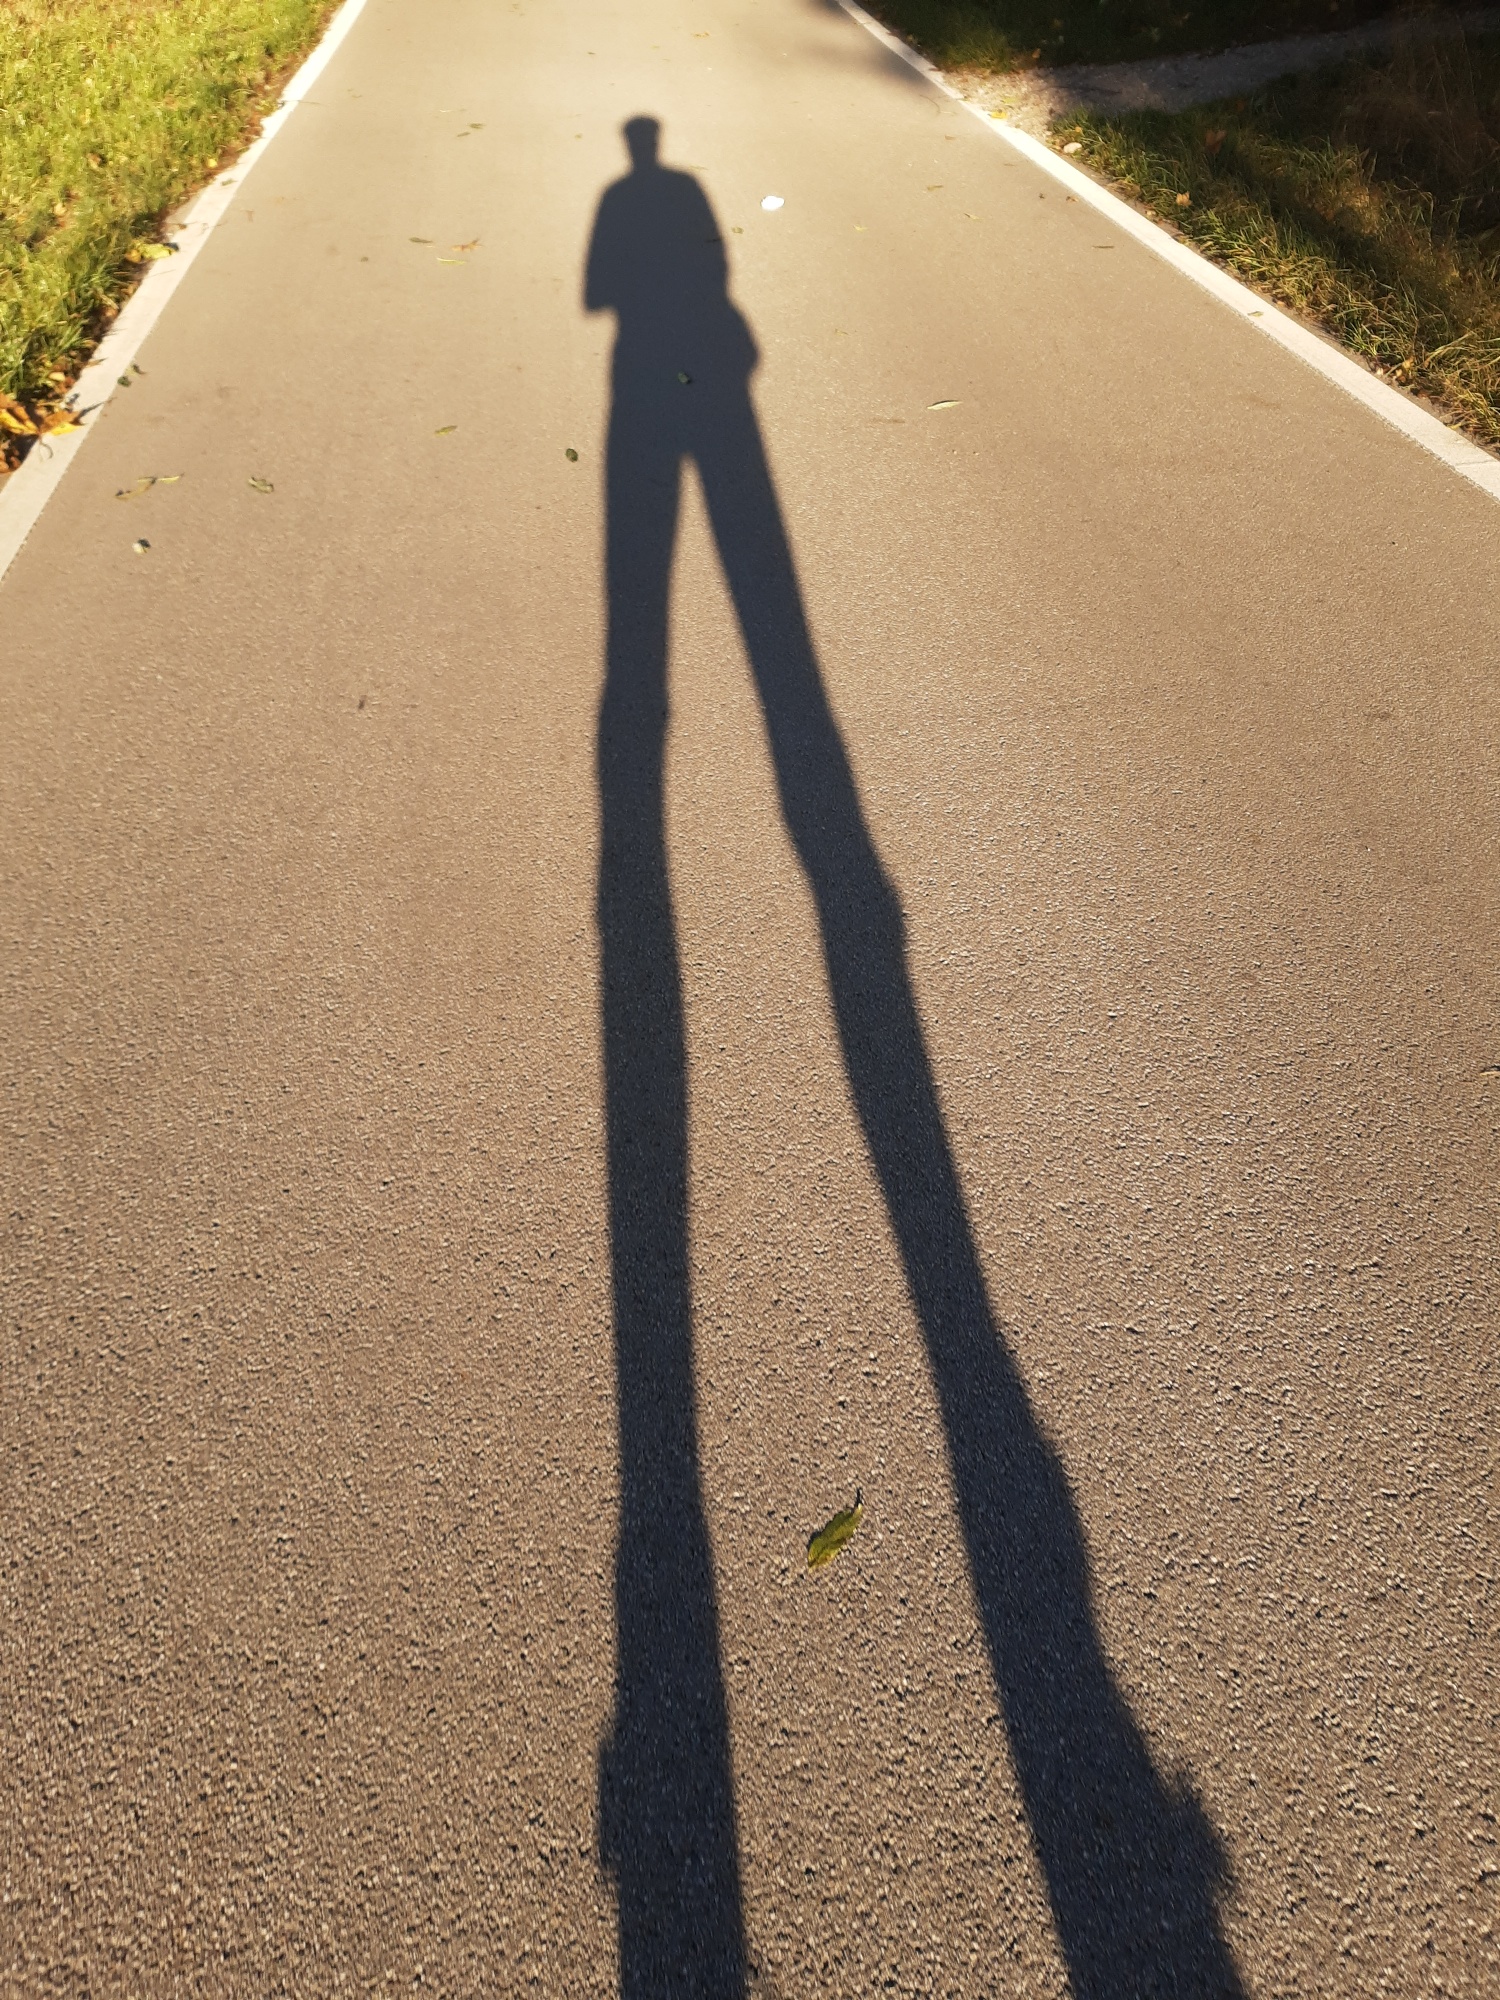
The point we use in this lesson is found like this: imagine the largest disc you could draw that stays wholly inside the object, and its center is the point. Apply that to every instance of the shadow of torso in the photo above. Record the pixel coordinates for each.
(657, 262)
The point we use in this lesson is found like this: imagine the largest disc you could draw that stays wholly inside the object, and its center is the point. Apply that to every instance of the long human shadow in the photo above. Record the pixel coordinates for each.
(1132, 1866)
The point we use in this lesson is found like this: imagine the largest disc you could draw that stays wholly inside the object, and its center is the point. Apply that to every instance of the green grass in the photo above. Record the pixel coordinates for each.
(1366, 198)
(111, 112)
(998, 35)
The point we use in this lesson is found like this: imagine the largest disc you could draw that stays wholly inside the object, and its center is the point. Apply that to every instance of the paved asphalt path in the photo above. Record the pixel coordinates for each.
(492, 1164)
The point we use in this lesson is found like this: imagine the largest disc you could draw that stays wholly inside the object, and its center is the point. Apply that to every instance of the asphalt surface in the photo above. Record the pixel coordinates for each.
(494, 1161)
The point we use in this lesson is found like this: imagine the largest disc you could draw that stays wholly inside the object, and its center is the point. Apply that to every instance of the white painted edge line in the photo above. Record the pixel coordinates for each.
(39, 474)
(1405, 415)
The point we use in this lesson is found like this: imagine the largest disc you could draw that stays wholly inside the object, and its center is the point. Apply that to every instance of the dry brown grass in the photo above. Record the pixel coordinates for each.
(1367, 198)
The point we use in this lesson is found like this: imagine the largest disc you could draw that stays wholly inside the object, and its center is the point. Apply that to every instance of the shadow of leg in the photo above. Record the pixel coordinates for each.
(1131, 1864)
(666, 1802)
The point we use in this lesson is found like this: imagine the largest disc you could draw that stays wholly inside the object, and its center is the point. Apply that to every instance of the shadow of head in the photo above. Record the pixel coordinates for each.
(642, 142)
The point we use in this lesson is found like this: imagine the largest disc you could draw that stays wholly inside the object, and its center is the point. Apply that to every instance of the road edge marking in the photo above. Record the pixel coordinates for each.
(40, 473)
(1461, 454)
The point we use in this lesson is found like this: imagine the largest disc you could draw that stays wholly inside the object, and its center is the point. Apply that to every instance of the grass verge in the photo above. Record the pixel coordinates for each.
(111, 113)
(997, 35)
(1366, 198)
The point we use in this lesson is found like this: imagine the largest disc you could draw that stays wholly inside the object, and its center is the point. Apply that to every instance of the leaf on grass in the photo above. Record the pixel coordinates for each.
(262, 485)
(141, 252)
(948, 403)
(571, 455)
(826, 1543)
(19, 421)
(445, 430)
(1184, 201)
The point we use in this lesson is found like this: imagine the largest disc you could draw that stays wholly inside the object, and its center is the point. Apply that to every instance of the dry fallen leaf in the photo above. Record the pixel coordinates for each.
(262, 485)
(450, 260)
(1184, 201)
(826, 1543)
(948, 403)
(445, 430)
(19, 421)
(467, 246)
(571, 455)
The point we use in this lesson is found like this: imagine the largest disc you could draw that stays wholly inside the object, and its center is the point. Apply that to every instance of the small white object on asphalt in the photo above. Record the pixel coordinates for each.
(774, 201)
(140, 547)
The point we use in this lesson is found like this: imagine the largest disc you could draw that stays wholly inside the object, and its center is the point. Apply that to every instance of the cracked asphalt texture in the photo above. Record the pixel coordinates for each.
(1167, 679)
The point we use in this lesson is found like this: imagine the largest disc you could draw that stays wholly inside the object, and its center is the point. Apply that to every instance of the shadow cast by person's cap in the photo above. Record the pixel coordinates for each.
(1133, 1868)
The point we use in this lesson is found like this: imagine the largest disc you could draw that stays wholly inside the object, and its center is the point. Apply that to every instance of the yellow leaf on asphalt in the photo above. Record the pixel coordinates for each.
(467, 246)
(445, 430)
(826, 1543)
(146, 481)
(262, 485)
(948, 403)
